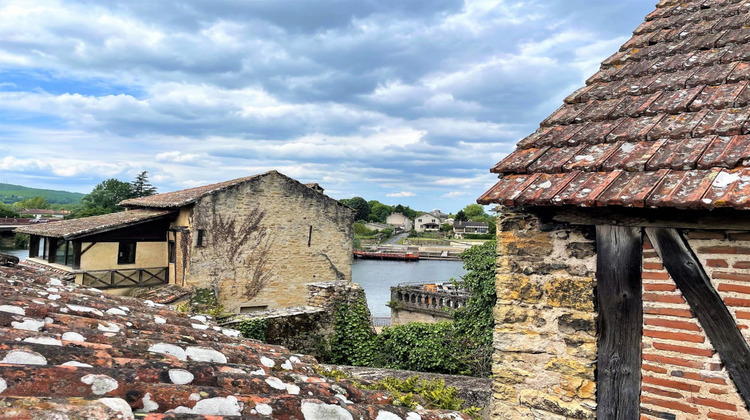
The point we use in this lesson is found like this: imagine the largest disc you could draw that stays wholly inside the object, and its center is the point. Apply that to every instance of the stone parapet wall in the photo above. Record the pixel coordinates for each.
(545, 334)
(682, 374)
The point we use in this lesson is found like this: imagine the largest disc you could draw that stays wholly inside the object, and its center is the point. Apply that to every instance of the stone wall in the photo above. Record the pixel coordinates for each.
(545, 334)
(306, 329)
(682, 375)
(294, 235)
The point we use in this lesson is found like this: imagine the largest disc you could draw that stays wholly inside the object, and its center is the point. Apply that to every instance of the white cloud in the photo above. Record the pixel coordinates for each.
(456, 194)
(401, 194)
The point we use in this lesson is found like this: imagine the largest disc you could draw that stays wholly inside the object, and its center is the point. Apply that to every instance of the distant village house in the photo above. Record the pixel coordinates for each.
(43, 213)
(460, 229)
(399, 221)
(427, 223)
(256, 241)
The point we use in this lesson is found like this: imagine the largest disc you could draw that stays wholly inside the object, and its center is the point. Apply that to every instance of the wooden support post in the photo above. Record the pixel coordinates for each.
(721, 328)
(618, 272)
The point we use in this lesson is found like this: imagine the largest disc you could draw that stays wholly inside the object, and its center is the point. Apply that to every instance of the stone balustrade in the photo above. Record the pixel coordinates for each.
(428, 299)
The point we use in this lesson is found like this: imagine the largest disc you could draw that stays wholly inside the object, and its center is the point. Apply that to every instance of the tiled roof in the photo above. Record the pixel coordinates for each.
(664, 123)
(73, 228)
(183, 197)
(72, 352)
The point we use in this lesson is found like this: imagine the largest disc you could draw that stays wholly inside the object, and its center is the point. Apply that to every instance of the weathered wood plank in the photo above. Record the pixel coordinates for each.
(707, 305)
(618, 272)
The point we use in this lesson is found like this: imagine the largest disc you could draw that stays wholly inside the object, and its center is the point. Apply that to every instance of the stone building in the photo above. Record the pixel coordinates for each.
(623, 237)
(256, 241)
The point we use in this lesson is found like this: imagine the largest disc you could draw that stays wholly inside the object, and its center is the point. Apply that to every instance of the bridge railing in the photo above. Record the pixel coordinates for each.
(419, 299)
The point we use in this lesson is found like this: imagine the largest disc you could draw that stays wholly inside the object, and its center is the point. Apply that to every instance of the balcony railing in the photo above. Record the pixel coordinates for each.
(418, 298)
(136, 277)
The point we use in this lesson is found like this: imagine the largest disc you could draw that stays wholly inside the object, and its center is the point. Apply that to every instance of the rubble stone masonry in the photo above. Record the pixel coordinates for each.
(545, 334)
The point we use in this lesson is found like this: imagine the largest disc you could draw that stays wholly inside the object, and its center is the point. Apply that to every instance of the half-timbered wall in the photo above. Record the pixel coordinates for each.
(549, 323)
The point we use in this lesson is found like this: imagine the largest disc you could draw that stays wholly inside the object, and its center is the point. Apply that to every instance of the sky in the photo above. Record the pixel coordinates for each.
(400, 101)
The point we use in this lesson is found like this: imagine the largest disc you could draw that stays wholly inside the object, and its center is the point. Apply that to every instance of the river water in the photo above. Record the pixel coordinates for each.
(377, 277)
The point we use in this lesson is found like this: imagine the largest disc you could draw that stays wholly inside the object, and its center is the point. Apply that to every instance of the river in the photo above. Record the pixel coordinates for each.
(377, 277)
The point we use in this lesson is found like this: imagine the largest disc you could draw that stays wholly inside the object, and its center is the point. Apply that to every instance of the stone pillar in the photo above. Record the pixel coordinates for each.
(545, 332)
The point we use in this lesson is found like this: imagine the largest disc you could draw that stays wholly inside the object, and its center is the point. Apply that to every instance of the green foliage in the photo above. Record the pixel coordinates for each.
(37, 202)
(140, 187)
(461, 216)
(10, 194)
(478, 236)
(353, 342)
(474, 212)
(379, 212)
(253, 328)
(203, 301)
(7, 211)
(107, 195)
(446, 227)
(21, 241)
(361, 230)
(474, 321)
(359, 205)
(421, 347)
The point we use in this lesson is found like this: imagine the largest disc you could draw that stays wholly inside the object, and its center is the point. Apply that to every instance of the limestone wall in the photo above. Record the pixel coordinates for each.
(290, 235)
(545, 334)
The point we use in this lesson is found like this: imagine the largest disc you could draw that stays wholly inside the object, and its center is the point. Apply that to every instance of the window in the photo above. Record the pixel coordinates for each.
(171, 252)
(246, 309)
(201, 235)
(126, 253)
(309, 237)
(419, 220)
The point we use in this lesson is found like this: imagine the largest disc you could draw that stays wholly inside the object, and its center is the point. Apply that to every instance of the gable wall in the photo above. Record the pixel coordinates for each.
(277, 250)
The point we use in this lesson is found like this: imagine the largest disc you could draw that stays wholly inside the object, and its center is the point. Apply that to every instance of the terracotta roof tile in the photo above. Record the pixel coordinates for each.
(73, 228)
(662, 118)
(75, 352)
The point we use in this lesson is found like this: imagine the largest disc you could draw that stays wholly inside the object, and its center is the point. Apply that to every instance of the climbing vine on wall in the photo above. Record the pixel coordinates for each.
(253, 328)
(354, 340)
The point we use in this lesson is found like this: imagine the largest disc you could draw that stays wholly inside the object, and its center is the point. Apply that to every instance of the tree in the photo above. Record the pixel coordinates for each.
(475, 212)
(359, 205)
(7, 211)
(461, 216)
(380, 212)
(37, 202)
(107, 195)
(141, 187)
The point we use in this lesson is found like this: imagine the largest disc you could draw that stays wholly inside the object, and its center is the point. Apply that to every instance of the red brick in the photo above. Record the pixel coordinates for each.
(737, 302)
(713, 403)
(668, 383)
(723, 275)
(718, 391)
(668, 323)
(676, 336)
(717, 263)
(743, 315)
(653, 297)
(662, 392)
(652, 368)
(655, 275)
(742, 264)
(734, 288)
(650, 254)
(674, 405)
(682, 313)
(715, 367)
(723, 249)
(683, 349)
(705, 234)
(699, 377)
(659, 287)
(647, 245)
(739, 236)
(719, 416)
(677, 361)
(653, 266)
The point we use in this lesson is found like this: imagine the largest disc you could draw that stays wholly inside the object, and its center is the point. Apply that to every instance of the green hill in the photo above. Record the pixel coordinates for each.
(10, 193)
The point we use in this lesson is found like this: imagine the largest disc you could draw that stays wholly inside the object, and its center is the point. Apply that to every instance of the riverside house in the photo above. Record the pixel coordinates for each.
(255, 241)
(624, 237)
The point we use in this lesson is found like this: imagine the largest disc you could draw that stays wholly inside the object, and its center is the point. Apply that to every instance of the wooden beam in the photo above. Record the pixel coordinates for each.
(618, 272)
(707, 305)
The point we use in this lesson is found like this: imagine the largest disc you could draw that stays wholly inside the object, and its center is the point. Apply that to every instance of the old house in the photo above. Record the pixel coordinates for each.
(399, 221)
(255, 241)
(623, 236)
(460, 229)
(426, 223)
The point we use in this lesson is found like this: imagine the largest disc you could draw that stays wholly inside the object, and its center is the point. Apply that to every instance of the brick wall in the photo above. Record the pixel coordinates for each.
(545, 335)
(683, 377)
(308, 238)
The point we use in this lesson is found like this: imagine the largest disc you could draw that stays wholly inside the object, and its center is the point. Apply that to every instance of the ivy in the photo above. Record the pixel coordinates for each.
(421, 347)
(253, 328)
(354, 340)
